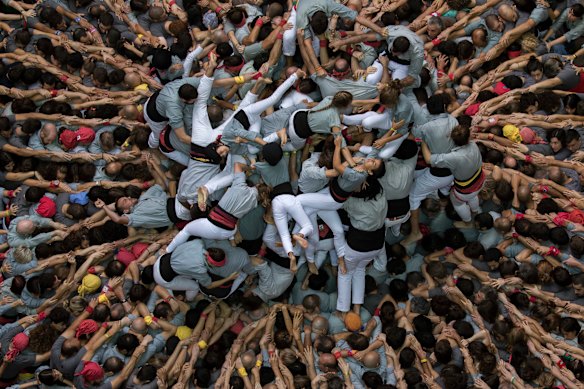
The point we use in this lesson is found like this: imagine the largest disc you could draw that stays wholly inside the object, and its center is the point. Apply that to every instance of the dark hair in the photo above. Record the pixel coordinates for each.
(319, 22)
(187, 92)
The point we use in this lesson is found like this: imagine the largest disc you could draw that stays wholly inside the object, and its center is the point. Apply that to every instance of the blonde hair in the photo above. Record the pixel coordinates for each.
(22, 254)
(389, 95)
(529, 43)
(341, 99)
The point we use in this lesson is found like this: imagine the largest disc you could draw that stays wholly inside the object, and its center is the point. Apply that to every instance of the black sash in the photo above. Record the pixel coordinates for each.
(170, 211)
(219, 292)
(398, 60)
(301, 125)
(166, 271)
(153, 114)
(272, 256)
(399, 207)
(201, 154)
(280, 189)
(243, 119)
(365, 241)
(165, 146)
(338, 194)
(440, 171)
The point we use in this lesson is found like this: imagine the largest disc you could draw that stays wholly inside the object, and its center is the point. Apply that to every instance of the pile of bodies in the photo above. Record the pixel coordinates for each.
(292, 194)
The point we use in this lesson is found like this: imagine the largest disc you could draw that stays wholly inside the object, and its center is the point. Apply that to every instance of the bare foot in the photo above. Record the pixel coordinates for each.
(300, 240)
(202, 195)
(411, 239)
(312, 268)
(305, 282)
(293, 265)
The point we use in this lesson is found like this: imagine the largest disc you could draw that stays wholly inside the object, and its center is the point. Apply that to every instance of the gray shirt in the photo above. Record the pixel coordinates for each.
(398, 178)
(239, 198)
(463, 161)
(312, 177)
(150, 211)
(436, 133)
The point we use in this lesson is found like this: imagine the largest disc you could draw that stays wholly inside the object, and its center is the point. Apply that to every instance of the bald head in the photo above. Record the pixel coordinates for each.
(130, 112)
(479, 37)
(371, 360)
(215, 114)
(503, 225)
(507, 13)
(112, 169)
(328, 361)
(219, 36)
(510, 162)
(156, 13)
(139, 326)
(556, 175)
(48, 133)
(248, 359)
(320, 325)
(132, 80)
(25, 227)
(117, 312)
(291, 70)
(341, 65)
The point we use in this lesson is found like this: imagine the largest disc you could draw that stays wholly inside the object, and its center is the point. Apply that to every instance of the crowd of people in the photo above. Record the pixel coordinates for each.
(292, 194)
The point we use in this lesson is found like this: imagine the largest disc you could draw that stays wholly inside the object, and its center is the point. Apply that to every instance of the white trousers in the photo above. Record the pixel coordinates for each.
(155, 127)
(288, 205)
(289, 39)
(425, 185)
(395, 225)
(179, 283)
(351, 285)
(398, 71)
(323, 205)
(388, 150)
(465, 204)
(202, 228)
(370, 120)
(375, 78)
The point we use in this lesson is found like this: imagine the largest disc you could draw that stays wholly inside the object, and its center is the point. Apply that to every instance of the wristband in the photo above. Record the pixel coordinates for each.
(218, 10)
(104, 325)
(92, 30)
(63, 78)
(515, 235)
(41, 316)
(202, 344)
(350, 50)
(553, 251)
(259, 22)
(10, 194)
(166, 300)
(528, 159)
(337, 354)
(343, 34)
(440, 73)
(204, 315)
(54, 92)
(54, 184)
(148, 320)
(544, 188)
(280, 36)
(324, 42)
(259, 363)
(106, 335)
(283, 22)
(377, 312)
(519, 216)
(451, 76)
(256, 77)
(89, 309)
(561, 364)
(146, 185)
(171, 3)
(239, 80)
(319, 68)
(242, 372)
(424, 360)
(77, 19)
(436, 42)
(532, 299)
(448, 250)
(491, 136)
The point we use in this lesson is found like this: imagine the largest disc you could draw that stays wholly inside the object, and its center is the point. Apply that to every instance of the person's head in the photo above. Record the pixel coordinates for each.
(188, 93)
(573, 141)
(557, 140)
(460, 135)
(342, 69)
(25, 227)
(311, 303)
(575, 13)
(435, 25)
(319, 22)
(400, 45)
(552, 67)
(479, 37)
(327, 363)
(578, 284)
(495, 23)
(508, 13)
(534, 68)
(320, 325)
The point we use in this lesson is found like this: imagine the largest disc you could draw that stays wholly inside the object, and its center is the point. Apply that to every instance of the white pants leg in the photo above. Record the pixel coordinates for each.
(390, 148)
(333, 220)
(202, 228)
(177, 156)
(378, 120)
(464, 204)
(425, 185)
(284, 205)
(155, 127)
(320, 201)
(357, 119)
(374, 78)
(289, 39)
(179, 283)
(352, 283)
(398, 71)
(395, 225)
